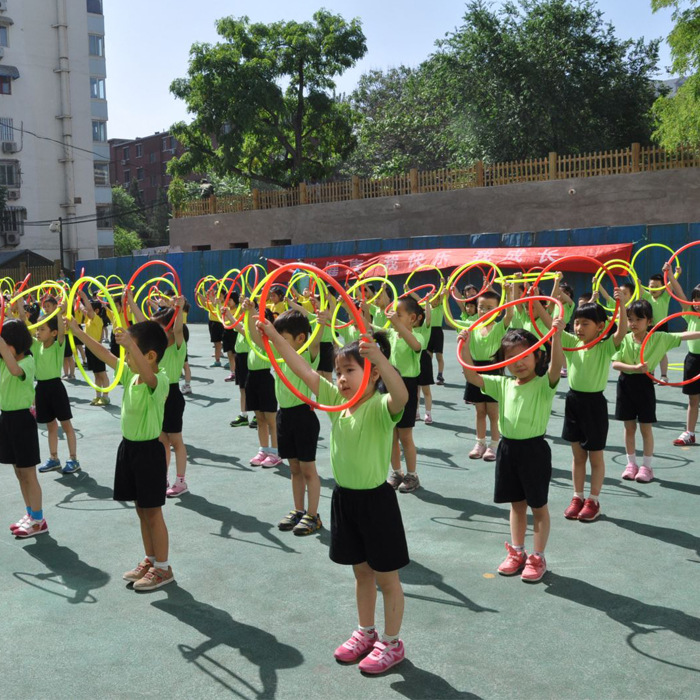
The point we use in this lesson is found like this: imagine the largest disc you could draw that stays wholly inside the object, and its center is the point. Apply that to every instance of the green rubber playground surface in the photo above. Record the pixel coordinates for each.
(257, 613)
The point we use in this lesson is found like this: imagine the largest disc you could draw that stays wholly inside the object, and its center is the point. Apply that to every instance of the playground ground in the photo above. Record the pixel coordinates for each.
(257, 613)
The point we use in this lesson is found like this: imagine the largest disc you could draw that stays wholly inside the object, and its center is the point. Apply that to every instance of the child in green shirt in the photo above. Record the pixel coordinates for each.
(366, 527)
(659, 298)
(19, 438)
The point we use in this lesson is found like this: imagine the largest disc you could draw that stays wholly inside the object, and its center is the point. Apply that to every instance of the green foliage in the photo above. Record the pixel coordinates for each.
(129, 215)
(263, 100)
(677, 118)
(125, 241)
(544, 75)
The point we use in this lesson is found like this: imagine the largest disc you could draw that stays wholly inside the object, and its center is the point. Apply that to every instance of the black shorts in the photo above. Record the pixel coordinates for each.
(472, 392)
(51, 401)
(216, 331)
(241, 365)
(19, 439)
(141, 473)
(186, 336)
(94, 364)
(67, 349)
(691, 368)
(408, 419)
(586, 419)
(366, 526)
(260, 391)
(174, 408)
(229, 340)
(636, 398)
(297, 433)
(425, 378)
(523, 471)
(326, 353)
(113, 345)
(436, 342)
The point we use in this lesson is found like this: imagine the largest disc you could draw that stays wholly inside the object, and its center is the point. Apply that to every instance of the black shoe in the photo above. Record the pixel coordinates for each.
(253, 423)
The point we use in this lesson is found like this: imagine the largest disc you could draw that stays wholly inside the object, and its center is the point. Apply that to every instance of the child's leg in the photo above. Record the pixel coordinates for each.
(492, 413)
(298, 484)
(597, 459)
(578, 468)
(630, 431)
(52, 429)
(243, 408)
(263, 432)
(365, 593)
(664, 366)
(480, 421)
(188, 373)
(418, 402)
(271, 419)
(313, 487)
(231, 361)
(154, 533)
(647, 442)
(217, 352)
(427, 398)
(165, 441)
(518, 523)
(69, 432)
(396, 452)
(692, 415)
(541, 527)
(440, 362)
(101, 381)
(180, 450)
(30, 488)
(392, 593)
(409, 448)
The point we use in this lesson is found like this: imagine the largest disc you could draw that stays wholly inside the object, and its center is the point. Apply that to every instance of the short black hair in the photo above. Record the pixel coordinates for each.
(353, 349)
(695, 294)
(519, 336)
(278, 290)
(628, 286)
(592, 312)
(567, 289)
(149, 335)
(52, 323)
(294, 323)
(49, 300)
(585, 297)
(15, 333)
(656, 277)
(488, 294)
(164, 316)
(641, 309)
(96, 304)
(412, 307)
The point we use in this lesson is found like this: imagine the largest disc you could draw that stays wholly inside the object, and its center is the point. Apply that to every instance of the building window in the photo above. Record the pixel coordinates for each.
(4, 36)
(7, 131)
(169, 143)
(9, 173)
(201, 247)
(94, 7)
(126, 153)
(96, 44)
(281, 241)
(12, 220)
(154, 181)
(151, 157)
(101, 171)
(104, 216)
(127, 177)
(99, 131)
(5, 85)
(237, 245)
(97, 88)
(139, 174)
(139, 150)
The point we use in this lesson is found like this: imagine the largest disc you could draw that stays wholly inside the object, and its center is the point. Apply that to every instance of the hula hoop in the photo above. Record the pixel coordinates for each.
(41, 320)
(157, 280)
(605, 332)
(408, 292)
(335, 328)
(2, 309)
(626, 267)
(451, 283)
(273, 360)
(129, 285)
(525, 277)
(654, 245)
(648, 335)
(71, 338)
(525, 353)
(422, 268)
(670, 260)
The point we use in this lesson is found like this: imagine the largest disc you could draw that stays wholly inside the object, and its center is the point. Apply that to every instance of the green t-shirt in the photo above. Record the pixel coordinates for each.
(484, 347)
(255, 362)
(469, 319)
(285, 398)
(568, 311)
(588, 369)
(378, 316)
(657, 346)
(693, 326)
(521, 319)
(403, 356)
(437, 315)
(360, 441)
(349, 334)
(523, 409)
(173, 361)
(241, 345)
(143, 407)
(659, 306)
(48, 361)
(17, 393)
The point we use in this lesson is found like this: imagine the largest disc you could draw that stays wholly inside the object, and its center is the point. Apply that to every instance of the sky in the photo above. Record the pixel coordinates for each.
(147, 43)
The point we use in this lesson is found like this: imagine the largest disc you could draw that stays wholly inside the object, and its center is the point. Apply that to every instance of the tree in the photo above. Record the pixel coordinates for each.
(263, 100)
(127, 214)
(125, 241)
(677, 117)
(545, 75)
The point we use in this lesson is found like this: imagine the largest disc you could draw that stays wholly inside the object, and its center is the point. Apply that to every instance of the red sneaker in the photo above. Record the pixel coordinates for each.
(571, 513)
(383, 657)
(535, 569)
(356, 647)
(513, 563)
(685, 438)
(590, 511)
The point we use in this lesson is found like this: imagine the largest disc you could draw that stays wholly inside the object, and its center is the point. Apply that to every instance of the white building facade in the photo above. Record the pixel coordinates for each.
(54, 155)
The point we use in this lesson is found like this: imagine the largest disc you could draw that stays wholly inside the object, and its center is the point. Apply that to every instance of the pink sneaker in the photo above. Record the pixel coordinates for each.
(535, 569)
(356, 647)
(428, 419)
(259, 458)
(590, 511)
(31, 528)
(513, 563)
(489, 455)
(20, 523)
(177, 489)
(477, 451)
(382, 657)
(644, 475)
(575, 507)
(630, 473)
(270, 461)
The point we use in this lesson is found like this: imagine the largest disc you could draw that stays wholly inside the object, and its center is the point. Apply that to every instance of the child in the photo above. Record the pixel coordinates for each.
(636, 398)
(229, 339)
(524, 461)
(141, 472)
(484, 343)
(436, 342)
(93, 328)
(52, 404)
(216, 328)
(276, 302)
(408, 338)
(691, 365)
(186, 370)
(241, 350)
(366, 527)
(467, 304)
(297, 425)
(659, 298)
(19, 438)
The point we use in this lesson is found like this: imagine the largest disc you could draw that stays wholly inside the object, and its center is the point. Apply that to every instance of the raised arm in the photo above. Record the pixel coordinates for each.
(61, 337)
(136, 312)
(675, 286)
(87, 306)
(556, 361)
(10, 360)
(96, 348)
(471, 376)
(147, 375)
(178, 325)
(622, 324)
(404, 332)
(395, 386)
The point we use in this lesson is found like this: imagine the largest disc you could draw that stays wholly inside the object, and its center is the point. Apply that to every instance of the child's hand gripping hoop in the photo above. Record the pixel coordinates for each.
(452, 285)
(670, 262)
(129, 285)
(625, 267)
(424, 268)
(27, 292)
(328, 280)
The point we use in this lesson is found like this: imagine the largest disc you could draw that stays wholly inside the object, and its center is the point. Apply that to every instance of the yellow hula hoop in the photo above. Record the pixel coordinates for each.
(249, 270)
(52, 284)
(383, 279)
(71, 338)
(143, 286)
(451, 283)
(358, 283)
(625, 267)
(41, 320)
(525, 277)
(422, 268)
(653, 245)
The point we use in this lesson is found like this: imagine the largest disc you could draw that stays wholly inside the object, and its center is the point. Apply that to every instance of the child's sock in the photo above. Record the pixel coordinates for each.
(272, 451)
(691, 433)
(151, 558)
(37, 515)
(180, 479)
(494, 445)
(265, 450)
(646, 460)
(593, 498)
(164, 565)
(579, 494)
(632, 459)
(390, 638)
(367, 631)
(539, 554)
(29, 511)
(518, 547)
(481, 441)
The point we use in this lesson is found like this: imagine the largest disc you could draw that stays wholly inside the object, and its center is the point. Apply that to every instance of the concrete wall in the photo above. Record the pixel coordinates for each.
(642, 198)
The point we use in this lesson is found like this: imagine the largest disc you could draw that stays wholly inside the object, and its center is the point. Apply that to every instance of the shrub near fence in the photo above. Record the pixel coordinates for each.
(554, 167)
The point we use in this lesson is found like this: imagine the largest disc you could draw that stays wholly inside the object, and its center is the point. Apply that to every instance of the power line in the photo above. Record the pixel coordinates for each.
(90, 218)
(22, 130)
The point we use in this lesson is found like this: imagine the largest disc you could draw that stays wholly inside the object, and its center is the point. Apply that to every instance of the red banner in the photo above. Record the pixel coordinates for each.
(401, 262)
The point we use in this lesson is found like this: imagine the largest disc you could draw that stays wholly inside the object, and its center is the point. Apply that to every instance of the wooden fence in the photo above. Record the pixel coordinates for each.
(40, 273)
(635, 159)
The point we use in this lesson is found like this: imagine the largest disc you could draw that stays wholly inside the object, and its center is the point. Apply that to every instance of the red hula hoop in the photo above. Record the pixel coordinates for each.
(648, 335)
(487, 283)
(176, 279)
(236, 321)
(273, 360)
(607, 330)
(525, 353)
(432, 287)
(670, 260)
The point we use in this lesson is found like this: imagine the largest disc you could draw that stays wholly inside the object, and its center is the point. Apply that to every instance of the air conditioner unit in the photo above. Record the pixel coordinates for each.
(11, 238)
(9, 147)
(124, 162)
(13, 194)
